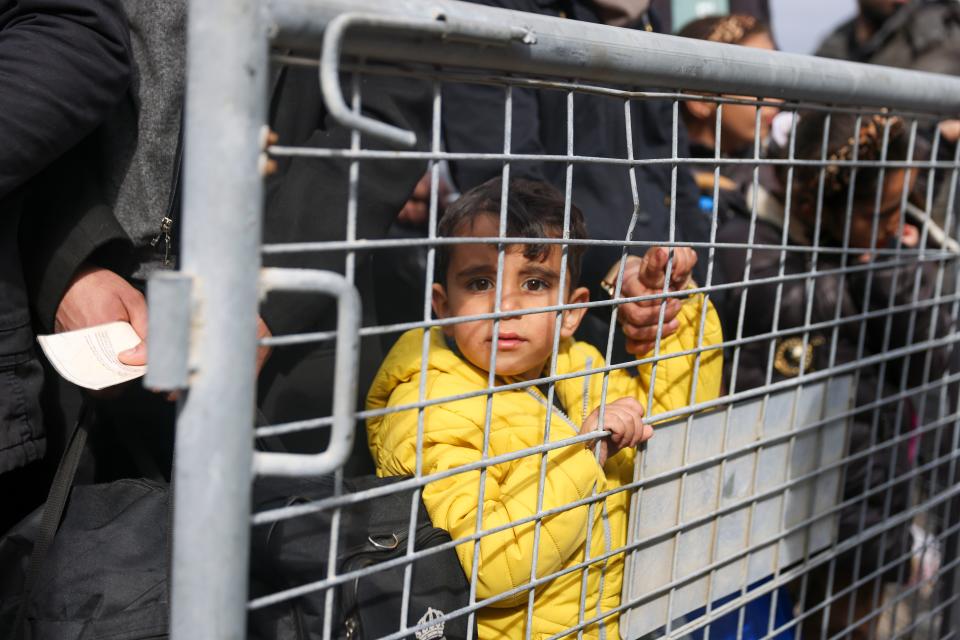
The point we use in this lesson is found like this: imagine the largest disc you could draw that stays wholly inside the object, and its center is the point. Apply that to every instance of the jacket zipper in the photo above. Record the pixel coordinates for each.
(166, 222)
(539, 398)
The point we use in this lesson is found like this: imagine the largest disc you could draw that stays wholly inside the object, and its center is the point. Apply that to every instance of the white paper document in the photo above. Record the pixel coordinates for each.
(88, 357)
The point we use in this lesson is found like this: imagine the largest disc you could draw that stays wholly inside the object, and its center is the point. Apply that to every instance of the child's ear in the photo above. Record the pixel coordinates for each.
(573, 317)
(439, 301)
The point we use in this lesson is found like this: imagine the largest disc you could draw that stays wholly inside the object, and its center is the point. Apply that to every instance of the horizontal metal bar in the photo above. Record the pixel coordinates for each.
(475, 77)
(281, 151)
(598, 53)
(366, 244)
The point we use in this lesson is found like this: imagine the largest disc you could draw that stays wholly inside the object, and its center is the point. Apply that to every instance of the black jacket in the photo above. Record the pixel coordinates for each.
(473, 122)
(63, 65)
(870, 425)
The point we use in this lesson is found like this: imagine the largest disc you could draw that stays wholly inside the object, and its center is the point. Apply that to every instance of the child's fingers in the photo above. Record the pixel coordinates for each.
(649, 333)
(648, 312)
(625, 422)
(638, 348)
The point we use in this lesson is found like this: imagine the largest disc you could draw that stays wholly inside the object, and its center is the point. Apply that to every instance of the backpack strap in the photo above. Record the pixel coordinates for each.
(53, 513)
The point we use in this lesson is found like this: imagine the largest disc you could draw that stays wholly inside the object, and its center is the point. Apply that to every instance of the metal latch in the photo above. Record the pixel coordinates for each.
(480, 32)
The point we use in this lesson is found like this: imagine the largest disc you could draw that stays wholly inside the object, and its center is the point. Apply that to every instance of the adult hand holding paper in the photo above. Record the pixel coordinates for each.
(96, 296)
(89, 357)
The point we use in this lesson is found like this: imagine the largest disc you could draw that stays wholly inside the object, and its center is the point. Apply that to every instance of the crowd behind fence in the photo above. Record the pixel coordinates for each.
(803, 463)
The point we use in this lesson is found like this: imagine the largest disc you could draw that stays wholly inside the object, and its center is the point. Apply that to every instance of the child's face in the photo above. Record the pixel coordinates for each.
(525, 343)
(739, 121)
(861, 224)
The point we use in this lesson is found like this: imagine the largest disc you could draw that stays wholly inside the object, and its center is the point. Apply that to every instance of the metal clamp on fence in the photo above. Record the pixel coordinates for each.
(345, 373)
(448, 30)
(171, 295)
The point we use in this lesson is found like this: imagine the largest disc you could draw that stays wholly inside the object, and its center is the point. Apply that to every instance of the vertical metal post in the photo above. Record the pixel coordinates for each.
(222, 205)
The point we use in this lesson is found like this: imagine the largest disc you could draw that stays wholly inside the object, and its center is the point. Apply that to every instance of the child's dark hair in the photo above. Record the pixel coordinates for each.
(534, 210)
(842, 139)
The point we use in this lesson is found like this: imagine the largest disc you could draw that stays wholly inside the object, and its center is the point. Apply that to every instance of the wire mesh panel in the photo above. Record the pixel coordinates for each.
(773, 505)
(562, 344)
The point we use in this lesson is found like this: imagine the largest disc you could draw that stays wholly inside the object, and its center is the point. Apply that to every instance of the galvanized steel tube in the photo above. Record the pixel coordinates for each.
(222, 204)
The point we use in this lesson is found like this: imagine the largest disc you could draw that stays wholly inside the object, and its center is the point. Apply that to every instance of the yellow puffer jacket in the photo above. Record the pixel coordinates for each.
(453, 436)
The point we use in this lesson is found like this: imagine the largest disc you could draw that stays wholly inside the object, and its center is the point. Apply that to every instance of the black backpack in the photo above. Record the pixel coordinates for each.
(93, 564)
(283, 555)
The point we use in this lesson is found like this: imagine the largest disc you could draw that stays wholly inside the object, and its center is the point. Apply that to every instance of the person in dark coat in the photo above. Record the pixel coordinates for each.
(923, 35)
(133, 174)
(306, 201)
(788, 355)
(473, 122)
(63, 66)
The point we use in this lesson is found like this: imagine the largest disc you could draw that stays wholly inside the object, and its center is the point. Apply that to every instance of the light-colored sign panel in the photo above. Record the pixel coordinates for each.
(750, 513)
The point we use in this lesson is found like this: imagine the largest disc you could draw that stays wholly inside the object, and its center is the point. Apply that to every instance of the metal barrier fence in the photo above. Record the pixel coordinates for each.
(815, 481)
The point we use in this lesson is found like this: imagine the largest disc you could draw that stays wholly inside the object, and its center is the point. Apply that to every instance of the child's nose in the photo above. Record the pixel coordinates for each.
(509, 299)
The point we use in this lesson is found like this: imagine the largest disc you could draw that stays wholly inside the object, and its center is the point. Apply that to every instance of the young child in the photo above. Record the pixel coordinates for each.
(738, 123)
(458, 362)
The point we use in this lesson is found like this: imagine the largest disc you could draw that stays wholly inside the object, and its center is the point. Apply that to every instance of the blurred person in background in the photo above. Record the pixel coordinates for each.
(675, 14)
(921, 34)
(874, 487)
(738, 129)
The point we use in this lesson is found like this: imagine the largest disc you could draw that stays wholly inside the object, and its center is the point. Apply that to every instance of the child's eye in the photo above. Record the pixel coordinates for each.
(480, 284)
(536, 284)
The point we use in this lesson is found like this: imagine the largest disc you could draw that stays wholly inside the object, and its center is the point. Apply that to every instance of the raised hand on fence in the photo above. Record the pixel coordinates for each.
(646, 276)
(623, 418)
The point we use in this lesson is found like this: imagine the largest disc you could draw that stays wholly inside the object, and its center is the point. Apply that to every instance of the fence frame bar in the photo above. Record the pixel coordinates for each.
(222, 210)
(599, 53)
